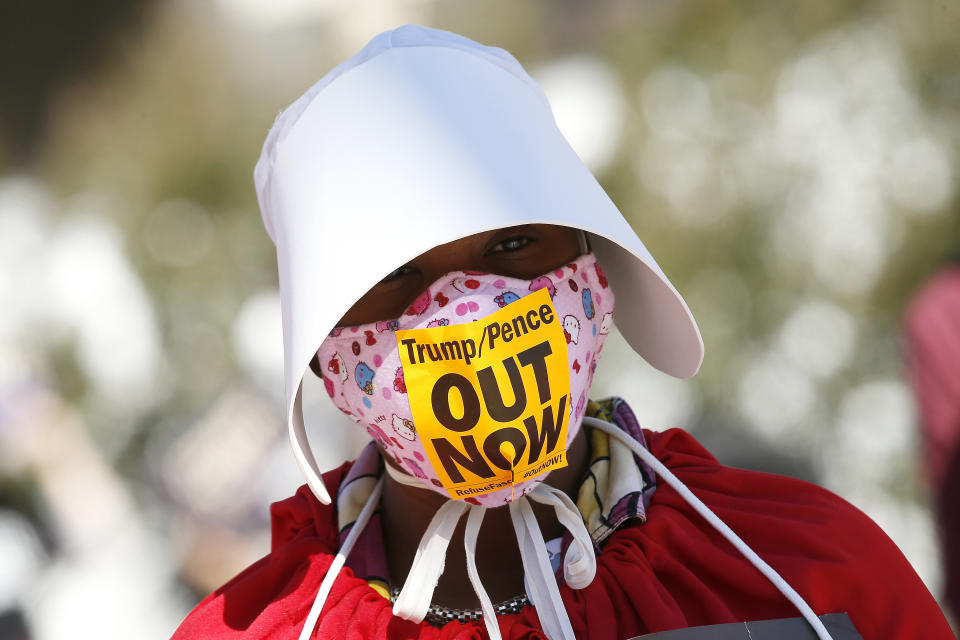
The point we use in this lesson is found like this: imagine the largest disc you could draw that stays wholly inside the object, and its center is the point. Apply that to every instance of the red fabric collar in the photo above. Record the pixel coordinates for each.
(674, 571)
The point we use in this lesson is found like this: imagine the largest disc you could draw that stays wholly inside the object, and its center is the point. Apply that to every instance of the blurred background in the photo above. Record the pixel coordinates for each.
(793, 166)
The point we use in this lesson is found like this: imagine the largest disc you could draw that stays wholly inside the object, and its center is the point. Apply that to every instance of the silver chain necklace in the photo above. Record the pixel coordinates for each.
(438, 615)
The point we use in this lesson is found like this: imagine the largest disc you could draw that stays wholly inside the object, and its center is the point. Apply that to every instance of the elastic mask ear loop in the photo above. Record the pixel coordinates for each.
(339, 560)
(715, 522)
(403, 478)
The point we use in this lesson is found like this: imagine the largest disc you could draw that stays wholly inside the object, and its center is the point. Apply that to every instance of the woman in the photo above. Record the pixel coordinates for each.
(440, 249)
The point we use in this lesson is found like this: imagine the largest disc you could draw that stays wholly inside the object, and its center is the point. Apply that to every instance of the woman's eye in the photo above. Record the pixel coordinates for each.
(510, 244)
(398, 273)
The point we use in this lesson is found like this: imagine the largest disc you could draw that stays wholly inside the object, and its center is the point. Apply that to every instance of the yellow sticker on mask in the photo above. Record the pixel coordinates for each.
(491, 398)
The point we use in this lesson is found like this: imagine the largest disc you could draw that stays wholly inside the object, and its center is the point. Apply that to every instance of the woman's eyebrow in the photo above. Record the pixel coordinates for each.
(506, 232)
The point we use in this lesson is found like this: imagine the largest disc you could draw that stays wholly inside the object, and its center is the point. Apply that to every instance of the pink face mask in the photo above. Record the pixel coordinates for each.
(363, 370)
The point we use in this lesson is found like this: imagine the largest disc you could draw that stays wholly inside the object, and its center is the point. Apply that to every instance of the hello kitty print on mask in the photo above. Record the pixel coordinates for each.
(375, 392)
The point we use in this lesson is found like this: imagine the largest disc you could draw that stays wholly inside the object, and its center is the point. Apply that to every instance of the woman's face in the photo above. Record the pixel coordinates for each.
(525, 252)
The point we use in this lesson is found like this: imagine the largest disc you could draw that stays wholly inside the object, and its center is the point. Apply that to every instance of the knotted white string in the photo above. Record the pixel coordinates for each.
(541, 582)
(474, 519)
(417, 592)
(470, 546)
(715, 522)
(579, 565)
(338, 561)
(580, 560)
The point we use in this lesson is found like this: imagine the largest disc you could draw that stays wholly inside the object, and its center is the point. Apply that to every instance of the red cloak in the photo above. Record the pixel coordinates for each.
(673, 571)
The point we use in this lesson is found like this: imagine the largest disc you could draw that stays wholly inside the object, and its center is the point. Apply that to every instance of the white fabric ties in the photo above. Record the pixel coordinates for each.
(541, 582)
(580, 560)
(417, 592)
(579, 565)
(470, 546)
(715, 522)
(338, 561)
